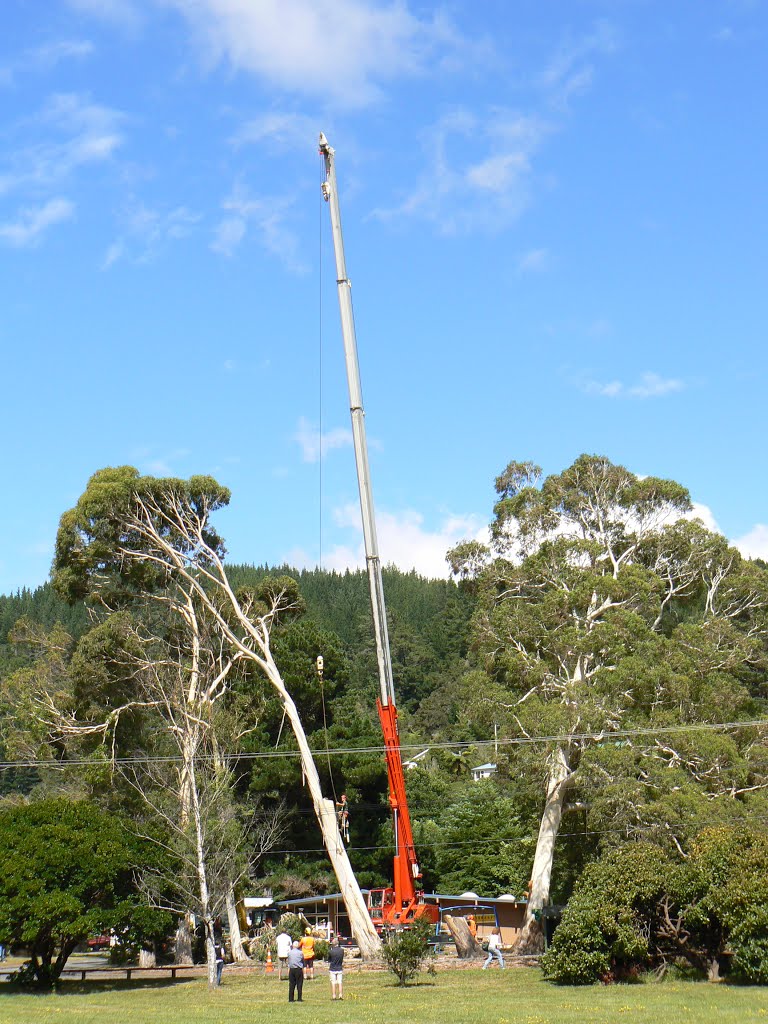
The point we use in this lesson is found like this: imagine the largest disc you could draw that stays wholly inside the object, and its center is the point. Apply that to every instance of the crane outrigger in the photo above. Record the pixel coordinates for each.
(404, 902)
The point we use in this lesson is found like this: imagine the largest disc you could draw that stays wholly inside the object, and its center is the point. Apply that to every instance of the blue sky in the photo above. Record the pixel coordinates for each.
(556, 226)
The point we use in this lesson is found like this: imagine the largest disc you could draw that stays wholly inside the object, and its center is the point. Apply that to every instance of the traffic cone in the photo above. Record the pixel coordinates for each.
(269, 969)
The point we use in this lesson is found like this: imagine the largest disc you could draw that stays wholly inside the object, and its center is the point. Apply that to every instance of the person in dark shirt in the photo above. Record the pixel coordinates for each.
(295, 971)
(335, 967)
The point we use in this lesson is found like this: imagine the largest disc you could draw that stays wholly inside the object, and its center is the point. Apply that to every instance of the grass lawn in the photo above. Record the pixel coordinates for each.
(512, 997)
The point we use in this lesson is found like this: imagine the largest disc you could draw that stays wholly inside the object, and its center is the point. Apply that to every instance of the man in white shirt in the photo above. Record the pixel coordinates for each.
(283, 949)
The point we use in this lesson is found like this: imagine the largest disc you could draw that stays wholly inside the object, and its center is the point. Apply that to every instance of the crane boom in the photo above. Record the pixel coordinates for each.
(402, 903)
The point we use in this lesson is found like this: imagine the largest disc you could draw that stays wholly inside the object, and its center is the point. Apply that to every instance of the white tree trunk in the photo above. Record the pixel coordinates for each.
(182, 947)
(210, 954)
(531, 938)
(239, 955)
(147, 958)
(363, 931)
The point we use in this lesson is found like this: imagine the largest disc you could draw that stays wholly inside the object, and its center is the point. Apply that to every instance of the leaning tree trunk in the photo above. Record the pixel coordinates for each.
(531, 939)
(239, 954)
(363, 931)
(466, 946)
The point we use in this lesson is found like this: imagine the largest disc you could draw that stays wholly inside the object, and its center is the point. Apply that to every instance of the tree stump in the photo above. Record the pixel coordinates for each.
(147, 958)
(467, 948)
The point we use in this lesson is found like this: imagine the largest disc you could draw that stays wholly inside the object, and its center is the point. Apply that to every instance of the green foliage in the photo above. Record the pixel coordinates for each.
(68, 870)
(322, 948)
(608, 921)
(292, 924)
(638, 907)
(406, 952)
(482, 847)
(93, 535)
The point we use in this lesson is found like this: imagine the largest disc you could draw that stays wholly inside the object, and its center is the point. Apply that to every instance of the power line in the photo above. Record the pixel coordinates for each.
(527, 840)
(513, 741)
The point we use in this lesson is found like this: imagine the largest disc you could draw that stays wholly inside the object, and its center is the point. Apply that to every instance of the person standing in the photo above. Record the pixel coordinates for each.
(308, 951)
(494, 949)
(335, 968)
(283, 942)
(472, 925)
(218, 948)
(219, 952)
(295, 972)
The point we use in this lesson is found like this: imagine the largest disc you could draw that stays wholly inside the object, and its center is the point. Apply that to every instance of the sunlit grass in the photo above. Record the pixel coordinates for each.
(493, 997)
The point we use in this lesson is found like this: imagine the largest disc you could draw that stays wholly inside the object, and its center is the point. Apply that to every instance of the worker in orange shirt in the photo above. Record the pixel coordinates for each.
(307, 946)
(472, 925)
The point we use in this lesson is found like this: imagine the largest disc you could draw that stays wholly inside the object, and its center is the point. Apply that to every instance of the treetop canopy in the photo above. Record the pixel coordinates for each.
(95, 537)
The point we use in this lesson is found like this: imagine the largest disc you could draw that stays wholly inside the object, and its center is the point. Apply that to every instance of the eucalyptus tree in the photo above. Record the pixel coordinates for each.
(601, 608)
(141, 539)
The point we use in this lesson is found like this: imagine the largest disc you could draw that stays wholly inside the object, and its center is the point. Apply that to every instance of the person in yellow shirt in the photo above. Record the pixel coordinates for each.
(307, 946)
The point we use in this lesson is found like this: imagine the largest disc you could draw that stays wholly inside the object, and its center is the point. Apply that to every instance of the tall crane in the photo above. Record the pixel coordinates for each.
(404, 902)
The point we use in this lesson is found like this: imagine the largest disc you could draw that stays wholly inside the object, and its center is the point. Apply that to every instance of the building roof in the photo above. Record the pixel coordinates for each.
(305, 901)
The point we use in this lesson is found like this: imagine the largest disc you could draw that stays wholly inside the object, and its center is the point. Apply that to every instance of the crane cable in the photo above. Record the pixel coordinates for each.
(319, 665)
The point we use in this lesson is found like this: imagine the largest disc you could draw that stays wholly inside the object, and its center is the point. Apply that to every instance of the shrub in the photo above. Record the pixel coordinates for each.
(608, 921)
(406, 952)
(322, 948)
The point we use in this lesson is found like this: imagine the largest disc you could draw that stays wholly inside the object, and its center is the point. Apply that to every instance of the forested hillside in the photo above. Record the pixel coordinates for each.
(429, 634)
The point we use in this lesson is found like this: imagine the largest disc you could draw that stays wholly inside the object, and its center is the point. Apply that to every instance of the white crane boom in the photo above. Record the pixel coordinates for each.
(373, 562)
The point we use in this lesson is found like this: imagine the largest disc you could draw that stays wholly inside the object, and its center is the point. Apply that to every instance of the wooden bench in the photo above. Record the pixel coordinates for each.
(86, 971)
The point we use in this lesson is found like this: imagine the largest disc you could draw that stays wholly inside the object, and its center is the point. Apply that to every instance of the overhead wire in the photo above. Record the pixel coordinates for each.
(526, 840)
(512, 741)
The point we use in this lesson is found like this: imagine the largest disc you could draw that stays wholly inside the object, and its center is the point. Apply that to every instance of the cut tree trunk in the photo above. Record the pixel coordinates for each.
(182, 946)
(147, 958)
(466, 946)
(531, 938)
(239, 954)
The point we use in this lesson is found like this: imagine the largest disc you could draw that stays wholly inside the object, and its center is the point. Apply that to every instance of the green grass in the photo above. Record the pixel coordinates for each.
(461, 996)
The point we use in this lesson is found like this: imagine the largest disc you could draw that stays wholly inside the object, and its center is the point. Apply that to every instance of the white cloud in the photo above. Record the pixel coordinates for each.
(341, 50)
(570, 71)
(32, 223)
(124, 13)
(228, 235)
(147, 231)
(268, 218)
(45, 57)
(533, 261)
(403, 541)
(650, 385)
(315, 446)
(479, 172)
(755, 543)
(91, 135)
(457, 193)
(705, 514)
(281, 129)
(159, 464)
